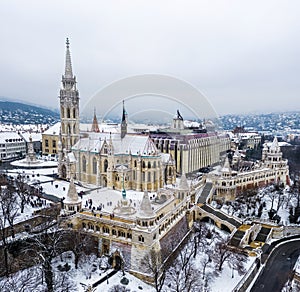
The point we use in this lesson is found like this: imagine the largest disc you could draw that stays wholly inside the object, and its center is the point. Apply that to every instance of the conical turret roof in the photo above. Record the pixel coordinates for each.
(72, 196)
(145, 207)
(183, 184)
(226, 167)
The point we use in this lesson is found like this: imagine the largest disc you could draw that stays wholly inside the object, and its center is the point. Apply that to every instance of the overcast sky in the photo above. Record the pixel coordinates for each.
(242, 55)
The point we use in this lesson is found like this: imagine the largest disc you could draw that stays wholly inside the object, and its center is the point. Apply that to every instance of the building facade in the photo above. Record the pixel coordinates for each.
(235, 178)
(192, 149)
(12, 146)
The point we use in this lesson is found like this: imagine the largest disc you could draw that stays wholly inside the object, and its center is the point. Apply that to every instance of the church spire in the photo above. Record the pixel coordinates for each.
(95, 126)
(124, 122)
(68, 68)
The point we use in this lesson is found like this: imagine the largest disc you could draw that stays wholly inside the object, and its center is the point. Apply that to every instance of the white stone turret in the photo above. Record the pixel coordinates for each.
(72, 202)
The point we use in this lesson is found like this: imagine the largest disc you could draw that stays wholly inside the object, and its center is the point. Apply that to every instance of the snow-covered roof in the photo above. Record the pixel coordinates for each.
(54, 130)
(165, 157)
(34, 136)
(130, 143)
(13, 136)
(71, 157)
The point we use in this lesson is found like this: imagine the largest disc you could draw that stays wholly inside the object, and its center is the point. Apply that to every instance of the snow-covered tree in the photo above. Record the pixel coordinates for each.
(183, 275)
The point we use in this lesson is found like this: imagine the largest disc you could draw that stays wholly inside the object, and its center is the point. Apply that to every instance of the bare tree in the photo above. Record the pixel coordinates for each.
(21, 190)
(9, 207)
(182, 275)
(79, 243)
(27, 280)
(221, 253)
(119, 288)
(8, 212)
(63, 283)
(152, 261)
(45, 246)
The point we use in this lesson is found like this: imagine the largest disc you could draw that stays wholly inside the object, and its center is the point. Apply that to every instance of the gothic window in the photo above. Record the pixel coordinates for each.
(94, 165)
(105, 165)
(170, 171)
(114, 232)
(105, 229)
(141, 238)
(121, 233)
(135, 163)
(68, 113)
(83, 164)
(144, 164)
(83, 225)
(105, 149)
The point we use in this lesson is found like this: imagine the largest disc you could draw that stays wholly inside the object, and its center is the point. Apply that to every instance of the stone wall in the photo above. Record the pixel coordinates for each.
(173, 237)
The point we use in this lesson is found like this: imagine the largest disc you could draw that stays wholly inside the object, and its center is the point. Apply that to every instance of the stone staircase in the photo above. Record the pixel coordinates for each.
(205, 193)
(263, 234)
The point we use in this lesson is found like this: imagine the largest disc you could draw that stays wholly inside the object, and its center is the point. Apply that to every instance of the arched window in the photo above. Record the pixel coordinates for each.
(94, 165)
(105, 165)
(135, 164)
(83, 164)
(141, 238)
(68, 113)
(154, 164)
(74, 113)
(149, 164)
(144, 164)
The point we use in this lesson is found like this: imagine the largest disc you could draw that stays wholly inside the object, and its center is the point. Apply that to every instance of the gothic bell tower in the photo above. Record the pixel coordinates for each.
(69, 117)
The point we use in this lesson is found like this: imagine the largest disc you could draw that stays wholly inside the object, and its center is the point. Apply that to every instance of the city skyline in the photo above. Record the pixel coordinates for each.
(242, 56)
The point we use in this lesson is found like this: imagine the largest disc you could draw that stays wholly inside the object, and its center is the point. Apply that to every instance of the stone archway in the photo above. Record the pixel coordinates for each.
(104, 181)
(225, 228)
(117, 261)
(208, 220)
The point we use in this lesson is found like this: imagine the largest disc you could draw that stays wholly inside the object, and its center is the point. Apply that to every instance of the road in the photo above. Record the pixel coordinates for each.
(278, 268)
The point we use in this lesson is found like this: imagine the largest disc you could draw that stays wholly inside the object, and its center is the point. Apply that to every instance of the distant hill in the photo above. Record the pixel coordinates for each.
(22, 113)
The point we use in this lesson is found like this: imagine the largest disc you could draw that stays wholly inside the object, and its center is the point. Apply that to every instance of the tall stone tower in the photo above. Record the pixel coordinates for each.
(69, 117)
